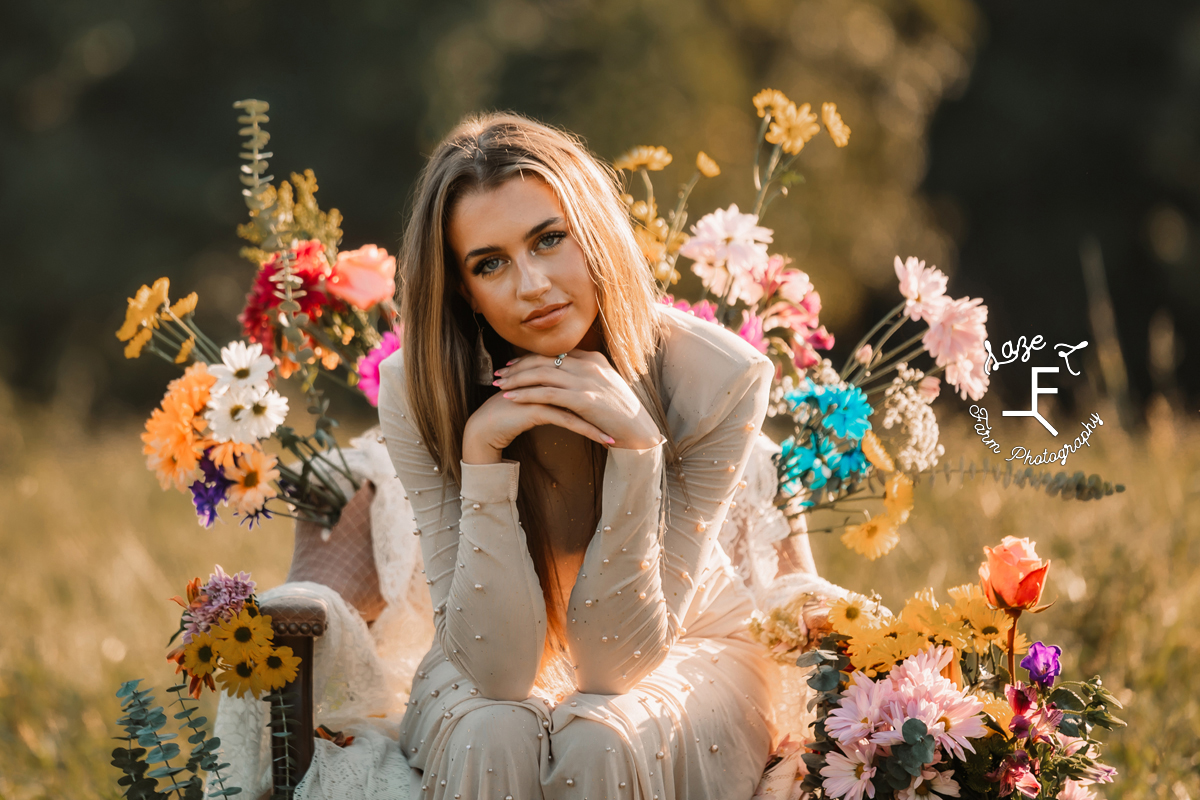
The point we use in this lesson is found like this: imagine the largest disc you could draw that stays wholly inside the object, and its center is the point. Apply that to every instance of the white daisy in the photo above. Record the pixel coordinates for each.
(730, 249)
(246, 415)
(243, 367)
(930, 781)
(849, 775)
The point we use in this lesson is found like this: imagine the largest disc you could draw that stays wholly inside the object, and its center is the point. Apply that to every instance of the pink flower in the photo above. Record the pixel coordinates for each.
(804, 356)
(791, 284)
(969, 376)
(821, 339)
(924, 289)
(368, 366)
(1073, 790)
(849, 775)
(363, 277)
(859, 710)
(929, 388)
(957, 331)
(1013, 576)
(752, 330)
(703, 309)
(1015, 773)
(788, 315)
(730, 253)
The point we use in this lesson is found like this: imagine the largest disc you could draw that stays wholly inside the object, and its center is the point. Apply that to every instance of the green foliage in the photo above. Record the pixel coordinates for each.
(1077, 486)
(285, 783)
(276, 216)
(142, 722)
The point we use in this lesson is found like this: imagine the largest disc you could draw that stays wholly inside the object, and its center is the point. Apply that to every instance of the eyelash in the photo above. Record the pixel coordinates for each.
(557, 236)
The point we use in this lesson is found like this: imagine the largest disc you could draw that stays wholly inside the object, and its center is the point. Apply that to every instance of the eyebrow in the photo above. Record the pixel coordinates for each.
(534, 231)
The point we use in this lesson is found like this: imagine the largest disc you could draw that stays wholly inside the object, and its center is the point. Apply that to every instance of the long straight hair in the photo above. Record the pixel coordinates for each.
(441, 333)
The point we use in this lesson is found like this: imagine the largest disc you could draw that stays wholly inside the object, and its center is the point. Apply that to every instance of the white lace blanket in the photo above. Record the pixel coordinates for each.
(362, 676)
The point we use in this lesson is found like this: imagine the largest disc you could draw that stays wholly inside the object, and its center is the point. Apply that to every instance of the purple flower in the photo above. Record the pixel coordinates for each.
(210, 491)
(1042, 663)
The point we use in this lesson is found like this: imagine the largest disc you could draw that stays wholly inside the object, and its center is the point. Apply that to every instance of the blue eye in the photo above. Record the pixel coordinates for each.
(551, 239)
(481, 268)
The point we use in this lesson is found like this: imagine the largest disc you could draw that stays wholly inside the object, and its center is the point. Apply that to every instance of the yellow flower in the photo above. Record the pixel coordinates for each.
(185, 306)
(199, 657)
(769, 101)
(792, 127)
(965, 592)
(852, 614)
(240, 678)
(652, 158)
(874, 451)
(997, 708)
(898, 496)
(185, 350)
(921, 612)
(708, 168)
(989, 625)
(252, 478)
(134, 348)
(246, 637)
(143, 308)
(278, 669)
(873, 538)
(838, 131)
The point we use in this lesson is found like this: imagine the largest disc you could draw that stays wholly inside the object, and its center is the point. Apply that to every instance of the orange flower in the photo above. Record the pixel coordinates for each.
(252, 478)
(838, 131)
(769, 101)
(1013, 576)
(793, 127)
(364, 277)
(708, 168)
(143, 308)
(172, 446)
(224, 454)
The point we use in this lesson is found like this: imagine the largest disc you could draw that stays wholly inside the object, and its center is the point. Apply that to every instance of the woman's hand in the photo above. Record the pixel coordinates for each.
(585, 387)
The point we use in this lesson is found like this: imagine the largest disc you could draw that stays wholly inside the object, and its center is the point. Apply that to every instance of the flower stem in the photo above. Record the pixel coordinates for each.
(878, 325)
(1015, 614)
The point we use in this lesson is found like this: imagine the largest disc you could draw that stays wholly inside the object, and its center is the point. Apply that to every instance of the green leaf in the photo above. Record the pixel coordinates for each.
(914, 731)
(1066, 699)
(164, 772)
(814, 657)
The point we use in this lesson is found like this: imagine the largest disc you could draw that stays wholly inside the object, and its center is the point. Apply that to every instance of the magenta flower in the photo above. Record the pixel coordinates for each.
(704, 309)
(752, 331)
(368, 366)
(1043, 663)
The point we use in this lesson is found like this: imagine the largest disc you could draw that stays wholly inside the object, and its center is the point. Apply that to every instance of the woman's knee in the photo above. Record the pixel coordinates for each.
(585, 740)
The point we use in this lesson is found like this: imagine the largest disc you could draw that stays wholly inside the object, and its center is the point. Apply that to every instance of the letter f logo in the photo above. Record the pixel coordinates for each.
(1033, 412)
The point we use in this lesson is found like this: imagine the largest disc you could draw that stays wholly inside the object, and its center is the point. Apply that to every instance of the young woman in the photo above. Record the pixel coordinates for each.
(570, 447)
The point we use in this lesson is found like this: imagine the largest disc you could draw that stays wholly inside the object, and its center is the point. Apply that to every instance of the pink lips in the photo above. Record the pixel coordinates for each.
(549, 319)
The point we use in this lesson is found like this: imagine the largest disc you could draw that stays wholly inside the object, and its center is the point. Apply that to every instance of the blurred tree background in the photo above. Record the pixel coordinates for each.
(989, 139)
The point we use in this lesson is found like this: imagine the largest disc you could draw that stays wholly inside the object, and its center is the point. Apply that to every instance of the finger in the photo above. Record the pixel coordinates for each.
(538, 376)
(554, 415)
(531, 361)
(576, 402)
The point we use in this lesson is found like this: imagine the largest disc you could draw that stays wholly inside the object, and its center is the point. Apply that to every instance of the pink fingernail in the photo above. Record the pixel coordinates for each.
(495, 383)
(508, 394)
(510, 361)
(610, 440)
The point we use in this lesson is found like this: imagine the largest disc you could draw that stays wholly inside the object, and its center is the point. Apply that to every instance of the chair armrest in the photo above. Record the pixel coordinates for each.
(296, 622)
(295, 616)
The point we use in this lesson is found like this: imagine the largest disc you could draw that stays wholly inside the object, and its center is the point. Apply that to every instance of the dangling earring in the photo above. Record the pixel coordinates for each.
(483, 359)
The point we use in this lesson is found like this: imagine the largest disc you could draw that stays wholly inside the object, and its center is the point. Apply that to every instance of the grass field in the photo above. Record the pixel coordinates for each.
(91, 549)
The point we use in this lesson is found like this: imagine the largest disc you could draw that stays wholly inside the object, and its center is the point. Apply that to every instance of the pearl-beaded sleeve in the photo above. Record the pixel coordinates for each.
(489, 615)
(628, 604)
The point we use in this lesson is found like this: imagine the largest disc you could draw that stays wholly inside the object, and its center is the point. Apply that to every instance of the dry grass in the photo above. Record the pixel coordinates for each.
(92, 549)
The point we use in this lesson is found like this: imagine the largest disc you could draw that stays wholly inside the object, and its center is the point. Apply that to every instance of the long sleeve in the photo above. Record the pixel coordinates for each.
(489, 612)
(627, 606)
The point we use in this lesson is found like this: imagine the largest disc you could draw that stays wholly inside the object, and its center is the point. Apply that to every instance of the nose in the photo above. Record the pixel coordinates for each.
(532, 280)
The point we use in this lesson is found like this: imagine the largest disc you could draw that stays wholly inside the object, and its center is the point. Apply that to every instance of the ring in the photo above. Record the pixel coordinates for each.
(558, 361)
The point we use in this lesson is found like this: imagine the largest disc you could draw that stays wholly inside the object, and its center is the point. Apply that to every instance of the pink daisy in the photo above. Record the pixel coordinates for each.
(957, 331)
(924, 288)
(849, 775)
(859, 711)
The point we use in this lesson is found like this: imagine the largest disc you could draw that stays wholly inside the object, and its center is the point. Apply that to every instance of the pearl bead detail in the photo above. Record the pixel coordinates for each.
(713, 748)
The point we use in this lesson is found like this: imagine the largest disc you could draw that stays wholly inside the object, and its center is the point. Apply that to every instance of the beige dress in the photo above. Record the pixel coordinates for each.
(673, 699)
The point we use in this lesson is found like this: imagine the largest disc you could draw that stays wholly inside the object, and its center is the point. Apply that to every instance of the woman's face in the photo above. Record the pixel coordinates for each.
(522, 269)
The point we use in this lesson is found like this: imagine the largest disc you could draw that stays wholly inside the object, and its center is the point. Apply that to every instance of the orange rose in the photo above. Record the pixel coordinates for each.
(363, 277)
(1013, 576)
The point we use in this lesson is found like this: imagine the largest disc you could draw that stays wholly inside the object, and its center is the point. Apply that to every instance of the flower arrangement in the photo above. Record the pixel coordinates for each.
(865, 432)
(312, 312)
(226, 638)
(927, 702)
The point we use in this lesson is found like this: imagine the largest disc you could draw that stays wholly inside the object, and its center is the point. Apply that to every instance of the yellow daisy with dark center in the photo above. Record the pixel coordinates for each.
(200, 657)
(278, 669)
(245, 637)
(239, 679)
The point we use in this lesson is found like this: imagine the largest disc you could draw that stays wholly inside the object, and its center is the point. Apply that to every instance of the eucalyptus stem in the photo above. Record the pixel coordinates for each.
(878, 325)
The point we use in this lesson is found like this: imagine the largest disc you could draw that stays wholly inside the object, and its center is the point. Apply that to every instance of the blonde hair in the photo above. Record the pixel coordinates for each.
(441, 332)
